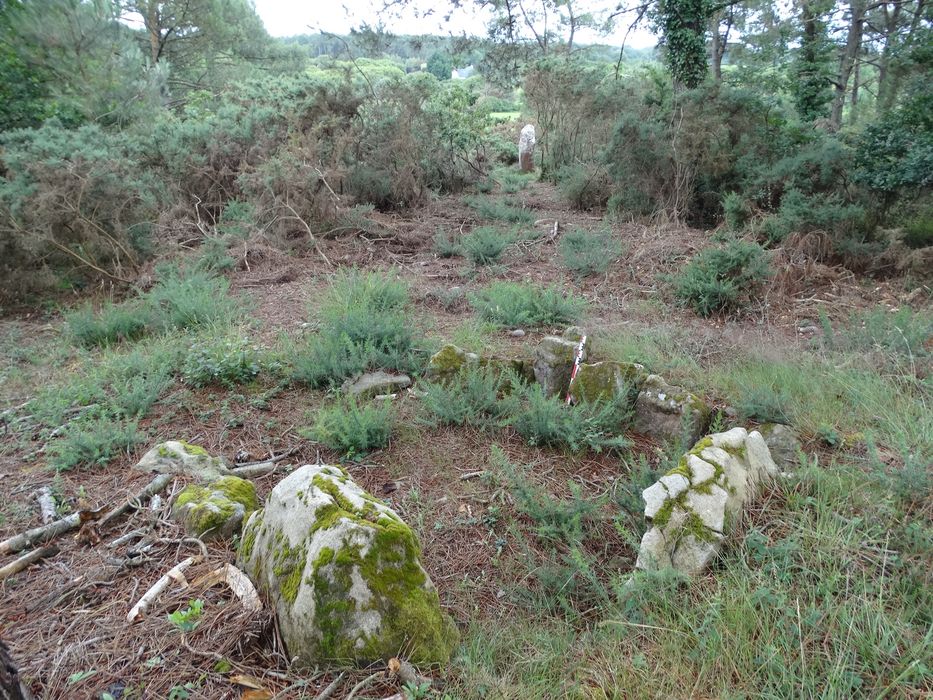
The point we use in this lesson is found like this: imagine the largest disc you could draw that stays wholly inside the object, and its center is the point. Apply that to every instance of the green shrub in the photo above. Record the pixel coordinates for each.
(353, 429)
(588, 253)
(474, 397)
(548, 422)
(192, 299)
(214, 255)
(445, 246)
(500, 210)
(904, 333)
(92, 442)
(365, 324)
(802, 213)
(766, 404)
(719, 279)
(226, 360)
(584, 186)
(737, 211)
(485, 245)
(113, 323)
(918, 232)
(514, 304)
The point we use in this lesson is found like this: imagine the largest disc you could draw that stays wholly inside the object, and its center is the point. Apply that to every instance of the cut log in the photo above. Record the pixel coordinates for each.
(27, 560)
(150, 596)
(46, 504)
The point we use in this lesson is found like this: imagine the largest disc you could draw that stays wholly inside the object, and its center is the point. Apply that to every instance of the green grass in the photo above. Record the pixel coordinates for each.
(504, 116)
(500, 210)
(514, 304)
(353, 429)
(589, 252)
(485, 245)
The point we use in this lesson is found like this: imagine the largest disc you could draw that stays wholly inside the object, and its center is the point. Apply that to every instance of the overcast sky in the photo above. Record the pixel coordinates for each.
(290, 17)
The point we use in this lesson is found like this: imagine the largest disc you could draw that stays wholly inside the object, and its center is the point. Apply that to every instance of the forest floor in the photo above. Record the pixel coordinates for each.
(824, 591)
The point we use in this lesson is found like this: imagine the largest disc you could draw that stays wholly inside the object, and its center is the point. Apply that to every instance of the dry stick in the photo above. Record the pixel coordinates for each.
(329, 690)
(149, 597)
(14, 567)
(324, 694)
(362, 684)
(151, 489)
(46, 504)
(27, 539)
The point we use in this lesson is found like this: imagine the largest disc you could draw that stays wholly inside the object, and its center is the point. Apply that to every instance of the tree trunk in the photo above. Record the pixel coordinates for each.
(847, 60)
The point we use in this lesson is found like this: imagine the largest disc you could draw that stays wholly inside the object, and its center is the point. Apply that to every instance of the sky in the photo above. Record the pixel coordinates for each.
(291, 17)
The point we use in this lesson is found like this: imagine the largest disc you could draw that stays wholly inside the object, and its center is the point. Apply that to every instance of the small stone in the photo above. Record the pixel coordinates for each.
(184, 459)
(700, 470)
(216, 511)
(783, 444)
(654, 497)
(517, 333)
(447, 362)
(574, 333)
(608, 380)
(375, 383)
(676, 484)
(668, 412)
(709, 507)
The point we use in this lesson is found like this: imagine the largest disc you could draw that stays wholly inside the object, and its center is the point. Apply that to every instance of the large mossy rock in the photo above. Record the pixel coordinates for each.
(669, 412)
(343, 573)
(695, 505)
(184, 459)
(553, 364)
(449, 361)
(216, 511)
(606, 381)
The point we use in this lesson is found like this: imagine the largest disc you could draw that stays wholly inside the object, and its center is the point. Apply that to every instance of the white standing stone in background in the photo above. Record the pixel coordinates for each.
(526, 149)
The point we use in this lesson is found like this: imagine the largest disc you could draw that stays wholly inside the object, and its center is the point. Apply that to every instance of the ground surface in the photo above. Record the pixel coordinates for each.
(64, 619)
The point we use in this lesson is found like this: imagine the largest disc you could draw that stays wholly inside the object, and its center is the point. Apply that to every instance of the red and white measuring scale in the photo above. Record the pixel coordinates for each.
(577, 361)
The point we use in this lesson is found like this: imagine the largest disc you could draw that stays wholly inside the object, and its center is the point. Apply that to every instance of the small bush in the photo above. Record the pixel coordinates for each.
(472, 398)
(588, 253)
(548, 422)
(226, 361)
(92, 442)
(718, 279)
(187, 300)
(584, 186)
(500, 210)
(767, 404)
(214, 256)
(484, 245)
(514, 304)
(918, 232)
(445, 246)
(112, 324)
(353, 429)
(737, 211)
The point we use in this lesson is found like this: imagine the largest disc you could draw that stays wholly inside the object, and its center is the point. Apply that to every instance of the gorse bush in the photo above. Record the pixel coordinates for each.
(514, 304)
(500, 210)
(365, 324)
(546, 421)
(445, 246)
(720, 279)
(484, 245)
(585, 187)
(918, 232)
(113, 323)
(474, 397)
(353, 429)
(226, 360)
(188, 299)
(92, 442)
(589, 253)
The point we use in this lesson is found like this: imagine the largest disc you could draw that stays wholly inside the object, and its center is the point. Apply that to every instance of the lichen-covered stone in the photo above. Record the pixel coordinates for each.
(216, 511)
(604, 381)
(723, 473)
(371, 384)
(522, 367)
(184, 459)
(343, 573)
(447, 362)
(783, 444)
(669, 412)
(553, 364)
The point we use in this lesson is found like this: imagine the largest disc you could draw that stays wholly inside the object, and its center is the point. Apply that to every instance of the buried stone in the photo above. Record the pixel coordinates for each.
(218, 510)
(184, 459)
(695, 505)
(371, 384)
(669, 412)
(343, 573)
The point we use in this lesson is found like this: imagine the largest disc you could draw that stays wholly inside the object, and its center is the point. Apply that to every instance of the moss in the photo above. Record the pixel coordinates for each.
(603, 380)
(194, 449)
(209, 510)
(164, 452)
(447, 361)
(249, 541)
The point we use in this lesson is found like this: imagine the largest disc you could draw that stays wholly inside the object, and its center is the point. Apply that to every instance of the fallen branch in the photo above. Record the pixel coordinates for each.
(27, 539)
(406, 673)
(14, 567)
(238, 582)
(262, 462)
(329, 690)
(151, 489)
(362, 684)
(46, 504)
(150, 596)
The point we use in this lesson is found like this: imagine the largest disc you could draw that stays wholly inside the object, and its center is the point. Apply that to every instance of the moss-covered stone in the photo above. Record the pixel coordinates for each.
(553, 364)
(448, 362)
(669, 412)
(218, 510)
(343, 572)
(184, 459)
(604, 381)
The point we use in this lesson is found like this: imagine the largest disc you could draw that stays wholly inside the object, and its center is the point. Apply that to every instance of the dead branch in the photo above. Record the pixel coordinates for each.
(362, 684)
(329, 690)
(150, 596)
(238, 582)
(151, 489)
(46, 504)
(27, 539)
(14, 567)
(406, 673)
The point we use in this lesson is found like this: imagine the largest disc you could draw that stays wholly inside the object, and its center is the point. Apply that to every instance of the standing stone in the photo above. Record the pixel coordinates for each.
(553, 364)
(526, 149)
(343, 573)
(669, 412)
(695, 505)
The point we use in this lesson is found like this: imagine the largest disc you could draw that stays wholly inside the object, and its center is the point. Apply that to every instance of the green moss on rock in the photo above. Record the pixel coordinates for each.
(217, 510)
